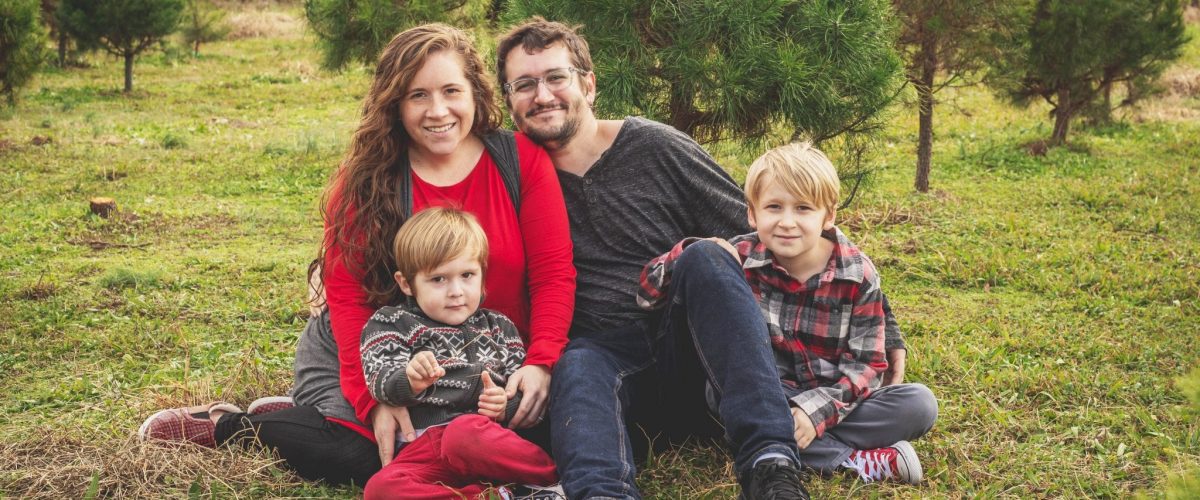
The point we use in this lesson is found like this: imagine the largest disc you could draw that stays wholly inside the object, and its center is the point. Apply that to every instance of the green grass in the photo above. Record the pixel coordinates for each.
(1050, 302)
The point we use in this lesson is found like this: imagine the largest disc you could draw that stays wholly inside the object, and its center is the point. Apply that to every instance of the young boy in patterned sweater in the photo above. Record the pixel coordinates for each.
(447, 360)
(821, 299)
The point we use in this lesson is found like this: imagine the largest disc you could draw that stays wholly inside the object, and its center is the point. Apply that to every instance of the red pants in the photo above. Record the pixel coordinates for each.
(455, 460)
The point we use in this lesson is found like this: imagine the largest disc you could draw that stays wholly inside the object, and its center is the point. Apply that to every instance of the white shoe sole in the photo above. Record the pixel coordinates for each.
(910, 466)
(146, 424)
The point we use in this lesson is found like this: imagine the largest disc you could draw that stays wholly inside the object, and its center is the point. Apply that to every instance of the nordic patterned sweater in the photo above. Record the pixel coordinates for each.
(485, 341)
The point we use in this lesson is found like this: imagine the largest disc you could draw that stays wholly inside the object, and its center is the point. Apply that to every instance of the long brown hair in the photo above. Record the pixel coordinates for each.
(362, 206)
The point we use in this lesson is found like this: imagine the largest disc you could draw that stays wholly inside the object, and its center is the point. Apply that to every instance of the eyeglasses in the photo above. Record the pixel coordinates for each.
(555, 80)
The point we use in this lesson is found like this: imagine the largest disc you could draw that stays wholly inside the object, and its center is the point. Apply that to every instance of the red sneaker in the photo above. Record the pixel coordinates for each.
(270, 404)
(184, 425)
(898, 462)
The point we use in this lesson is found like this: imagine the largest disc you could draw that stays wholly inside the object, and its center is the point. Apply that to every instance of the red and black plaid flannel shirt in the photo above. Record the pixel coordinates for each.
(827, 332)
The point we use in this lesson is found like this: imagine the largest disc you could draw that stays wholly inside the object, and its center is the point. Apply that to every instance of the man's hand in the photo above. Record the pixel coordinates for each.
(534, 383)
(727, 246)
(895, 372)
(385, 419)
(423, 370)
(492, 400)
(803, 428)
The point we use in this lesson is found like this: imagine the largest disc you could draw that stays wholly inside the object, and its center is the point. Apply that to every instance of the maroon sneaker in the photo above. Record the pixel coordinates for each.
(184, 425)
(270, 404)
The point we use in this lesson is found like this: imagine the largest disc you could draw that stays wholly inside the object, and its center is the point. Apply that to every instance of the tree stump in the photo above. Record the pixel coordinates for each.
(103, 206)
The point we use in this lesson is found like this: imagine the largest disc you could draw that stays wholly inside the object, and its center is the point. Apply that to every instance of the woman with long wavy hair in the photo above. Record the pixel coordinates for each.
(428, 137)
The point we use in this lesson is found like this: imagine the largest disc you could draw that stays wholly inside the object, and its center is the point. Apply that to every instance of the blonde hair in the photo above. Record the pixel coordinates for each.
(435, 236)
(801, 169)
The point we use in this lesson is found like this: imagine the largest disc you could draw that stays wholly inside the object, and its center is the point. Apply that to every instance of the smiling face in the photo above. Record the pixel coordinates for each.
(449, 293)
(438, 109)
(791, 229)
(548, 118)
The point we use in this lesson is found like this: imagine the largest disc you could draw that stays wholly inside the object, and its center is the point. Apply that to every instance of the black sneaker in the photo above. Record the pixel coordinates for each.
(775, 479)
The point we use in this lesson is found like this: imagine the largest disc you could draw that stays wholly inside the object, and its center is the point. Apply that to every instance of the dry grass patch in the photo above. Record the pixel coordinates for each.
(1183, 82)
(879, 216)
(45, 463)
(264, 24)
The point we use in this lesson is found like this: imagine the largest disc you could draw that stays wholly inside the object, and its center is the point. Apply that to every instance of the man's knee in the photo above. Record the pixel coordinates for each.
(579, 360)
(703, 256)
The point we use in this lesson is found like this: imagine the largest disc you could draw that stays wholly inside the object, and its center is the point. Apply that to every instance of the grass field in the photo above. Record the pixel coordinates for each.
(1050, 301)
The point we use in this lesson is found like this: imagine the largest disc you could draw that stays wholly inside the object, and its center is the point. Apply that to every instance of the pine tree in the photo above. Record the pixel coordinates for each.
(738, 69)
(202, 24)
(357, 30)
(124, 28)
(22, 41)
(1073, 52)
(947, 38)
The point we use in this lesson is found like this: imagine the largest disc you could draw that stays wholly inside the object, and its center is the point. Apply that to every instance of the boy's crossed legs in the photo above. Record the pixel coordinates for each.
(889, 415)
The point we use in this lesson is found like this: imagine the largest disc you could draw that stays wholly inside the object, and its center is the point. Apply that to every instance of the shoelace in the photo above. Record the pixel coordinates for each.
(872, 465)
(781, 479)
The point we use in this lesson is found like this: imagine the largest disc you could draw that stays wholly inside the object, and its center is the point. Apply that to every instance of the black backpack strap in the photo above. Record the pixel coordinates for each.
(502, 146)
(404, 177)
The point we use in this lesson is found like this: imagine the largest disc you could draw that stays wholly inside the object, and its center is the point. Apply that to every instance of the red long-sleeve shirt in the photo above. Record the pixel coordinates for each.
(530, 276)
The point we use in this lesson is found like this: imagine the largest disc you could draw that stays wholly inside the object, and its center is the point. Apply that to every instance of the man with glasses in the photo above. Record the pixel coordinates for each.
(633, 189)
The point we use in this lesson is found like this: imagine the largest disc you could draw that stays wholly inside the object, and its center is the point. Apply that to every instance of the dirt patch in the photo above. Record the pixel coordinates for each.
(1191, 15)
(38, 291)
(1037, 148)
(263, 24)
(130, 230)
(39, 140)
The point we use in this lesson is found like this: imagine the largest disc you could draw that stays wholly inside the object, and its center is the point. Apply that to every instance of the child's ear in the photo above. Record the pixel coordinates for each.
(829, 218)
(750, 217)
(404, 287)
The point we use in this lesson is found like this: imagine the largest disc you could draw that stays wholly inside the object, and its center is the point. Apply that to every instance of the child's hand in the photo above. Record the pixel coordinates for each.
(423, 370)
(492, 400)
(803, 428)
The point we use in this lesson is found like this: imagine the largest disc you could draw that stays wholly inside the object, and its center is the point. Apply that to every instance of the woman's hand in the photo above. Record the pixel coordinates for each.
(492, 401)
(534, 383)
(385, 419)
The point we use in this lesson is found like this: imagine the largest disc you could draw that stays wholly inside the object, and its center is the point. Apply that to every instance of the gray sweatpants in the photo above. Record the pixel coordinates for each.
(890, 414)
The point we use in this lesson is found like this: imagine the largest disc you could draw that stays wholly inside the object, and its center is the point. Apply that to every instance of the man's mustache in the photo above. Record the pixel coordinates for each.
(548, 107)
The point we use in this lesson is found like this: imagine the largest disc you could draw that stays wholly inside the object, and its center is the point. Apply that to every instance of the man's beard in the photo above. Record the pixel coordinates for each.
(557, 138)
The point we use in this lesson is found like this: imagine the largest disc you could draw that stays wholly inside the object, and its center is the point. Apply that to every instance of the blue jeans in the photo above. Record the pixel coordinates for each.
(711, 330)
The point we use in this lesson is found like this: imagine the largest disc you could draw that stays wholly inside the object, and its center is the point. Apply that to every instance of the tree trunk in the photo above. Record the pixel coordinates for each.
(1062, 117)
(128, 72)
(928, 58)
(684, 116)
(196, 48)
(62, 48)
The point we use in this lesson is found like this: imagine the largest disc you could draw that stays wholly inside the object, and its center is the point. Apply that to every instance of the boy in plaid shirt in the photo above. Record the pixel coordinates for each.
(821, 299)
